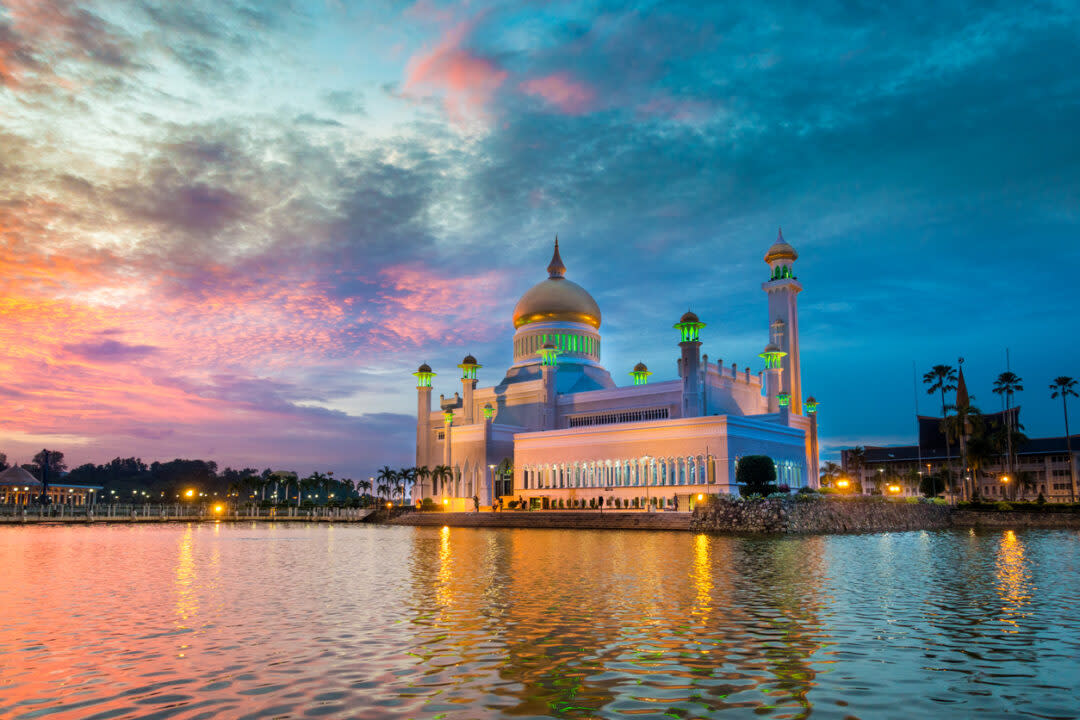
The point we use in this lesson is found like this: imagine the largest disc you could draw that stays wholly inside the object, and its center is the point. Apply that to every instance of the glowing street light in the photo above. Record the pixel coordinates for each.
(843, 484)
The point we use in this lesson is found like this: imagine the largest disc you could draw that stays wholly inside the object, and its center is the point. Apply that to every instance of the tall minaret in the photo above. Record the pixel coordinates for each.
(782, 288)
(689, 327)
(468, 384)
(549, 365)
(423, 377)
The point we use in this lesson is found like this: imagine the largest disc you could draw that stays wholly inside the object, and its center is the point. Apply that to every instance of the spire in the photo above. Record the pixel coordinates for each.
(962, 399)
(779, 234)
(555, 268)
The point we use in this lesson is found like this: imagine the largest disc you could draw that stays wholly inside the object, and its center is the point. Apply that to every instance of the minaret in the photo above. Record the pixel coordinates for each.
(689, 327)
(549, 363)
(814, 471)
(423, 377)
(782, 289)
(640, 373)
(468, 384)
(774, 372)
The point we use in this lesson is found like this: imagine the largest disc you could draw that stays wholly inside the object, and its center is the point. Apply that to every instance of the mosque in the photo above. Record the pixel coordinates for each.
(558, 431)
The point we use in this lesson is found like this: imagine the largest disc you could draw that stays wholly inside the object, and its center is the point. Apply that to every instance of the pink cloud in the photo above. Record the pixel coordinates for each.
(570, 96)
(466, 81)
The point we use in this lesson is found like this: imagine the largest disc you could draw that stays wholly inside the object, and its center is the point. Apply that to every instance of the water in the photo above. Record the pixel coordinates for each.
(290, 621)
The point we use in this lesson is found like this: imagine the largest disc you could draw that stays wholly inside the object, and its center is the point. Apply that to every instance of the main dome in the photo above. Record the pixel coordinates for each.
(557, 299)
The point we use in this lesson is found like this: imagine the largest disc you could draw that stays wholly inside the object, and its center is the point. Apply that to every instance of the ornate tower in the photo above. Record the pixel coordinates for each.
(423, 377)
(782, 289)
(468, 384)
(689, 327)
(774, 371)
(640, 373)
(549, 365)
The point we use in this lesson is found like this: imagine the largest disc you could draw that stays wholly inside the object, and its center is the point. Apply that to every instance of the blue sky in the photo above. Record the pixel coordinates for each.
(231, 230)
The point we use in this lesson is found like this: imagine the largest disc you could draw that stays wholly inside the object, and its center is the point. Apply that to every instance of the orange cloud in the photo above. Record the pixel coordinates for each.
(466, 81)
(570, 96)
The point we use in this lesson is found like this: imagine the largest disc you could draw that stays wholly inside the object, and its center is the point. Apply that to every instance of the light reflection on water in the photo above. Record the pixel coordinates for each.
(230, 621)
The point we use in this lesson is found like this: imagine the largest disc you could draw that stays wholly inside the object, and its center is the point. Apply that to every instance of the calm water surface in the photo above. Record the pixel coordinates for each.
(289, 621)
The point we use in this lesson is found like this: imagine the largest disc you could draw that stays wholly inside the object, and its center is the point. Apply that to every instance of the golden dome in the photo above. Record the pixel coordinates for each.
(781, 249)
(557, 299)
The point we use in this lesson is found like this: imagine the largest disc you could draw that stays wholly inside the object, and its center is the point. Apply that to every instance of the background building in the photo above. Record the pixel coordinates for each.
(1041, 465)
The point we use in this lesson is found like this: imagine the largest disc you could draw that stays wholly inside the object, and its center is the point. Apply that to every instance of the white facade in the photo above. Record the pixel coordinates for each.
(570, 434)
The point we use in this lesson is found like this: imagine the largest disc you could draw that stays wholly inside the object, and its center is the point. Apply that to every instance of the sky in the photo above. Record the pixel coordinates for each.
(231, 230)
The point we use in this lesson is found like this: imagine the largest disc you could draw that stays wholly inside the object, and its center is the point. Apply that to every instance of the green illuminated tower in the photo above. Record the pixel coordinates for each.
(782, 289)
(423, 377)
(689, 327)
(640, 373)
(468, 367)
(774, 372)
(549, 365)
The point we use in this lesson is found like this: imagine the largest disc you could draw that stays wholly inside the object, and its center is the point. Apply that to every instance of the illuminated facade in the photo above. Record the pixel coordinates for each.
(564, 431)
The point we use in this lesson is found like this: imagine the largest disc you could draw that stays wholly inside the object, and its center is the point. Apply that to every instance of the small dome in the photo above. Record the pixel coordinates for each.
(556, 299)
(771, 348)
(640, 367)
(469, 360)
(811, 401)
(781, 250)
(425, 368)
(689, 317)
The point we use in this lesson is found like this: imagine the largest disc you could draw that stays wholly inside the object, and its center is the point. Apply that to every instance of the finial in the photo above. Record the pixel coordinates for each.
(555, 268)
(780, 234)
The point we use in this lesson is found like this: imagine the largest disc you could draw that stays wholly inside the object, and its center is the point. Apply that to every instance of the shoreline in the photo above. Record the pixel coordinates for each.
(758, 518)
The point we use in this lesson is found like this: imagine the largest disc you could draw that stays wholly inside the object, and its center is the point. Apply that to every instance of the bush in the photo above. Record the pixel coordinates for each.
(1040, 500)
(778, 495)
(784, 488)
(544, 503)
(756, 475)
(911, 500)
(1003, 506)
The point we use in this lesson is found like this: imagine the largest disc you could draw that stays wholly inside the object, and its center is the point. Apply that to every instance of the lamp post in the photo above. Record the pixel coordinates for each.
(1005, 485)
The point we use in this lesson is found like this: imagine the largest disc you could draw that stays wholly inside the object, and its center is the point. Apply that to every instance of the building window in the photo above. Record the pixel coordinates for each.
(621, 416)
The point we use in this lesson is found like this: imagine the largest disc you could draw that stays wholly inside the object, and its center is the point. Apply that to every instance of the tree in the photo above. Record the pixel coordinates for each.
(1064, 386)
(387, 478)
(365, 486)
(756, 474)
(406, 477)
(1006, 385)
(3, 462)
(856, 459)
(934, 485)
(942, 379)
(440, 473)
(56, 462)
(422, 473)
(830, 473)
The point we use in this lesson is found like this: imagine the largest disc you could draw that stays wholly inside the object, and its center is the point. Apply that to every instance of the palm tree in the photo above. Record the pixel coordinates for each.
(856, 458)
(1007, 384)
(422, 473)
(980, 454)
(1063, 387)
(942, 379)
(967, 422)
(406, 476)
(387, 477)
(830, 471)
(365, 486)
(443, 473)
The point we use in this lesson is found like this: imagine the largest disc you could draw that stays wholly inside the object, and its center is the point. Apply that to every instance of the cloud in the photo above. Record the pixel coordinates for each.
(110, 350)
(464, 79)
(561, 90)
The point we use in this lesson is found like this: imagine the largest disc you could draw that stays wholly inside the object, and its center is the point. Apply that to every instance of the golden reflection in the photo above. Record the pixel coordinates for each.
(1013, 580)
(186, 599)
(444, 590)
(702, 574)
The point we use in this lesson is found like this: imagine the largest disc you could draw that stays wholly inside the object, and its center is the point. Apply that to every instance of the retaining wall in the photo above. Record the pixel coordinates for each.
(583, 520)
(818, 516)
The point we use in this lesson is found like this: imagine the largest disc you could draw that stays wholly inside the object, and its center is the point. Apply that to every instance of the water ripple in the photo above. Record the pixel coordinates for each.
(376, 622)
